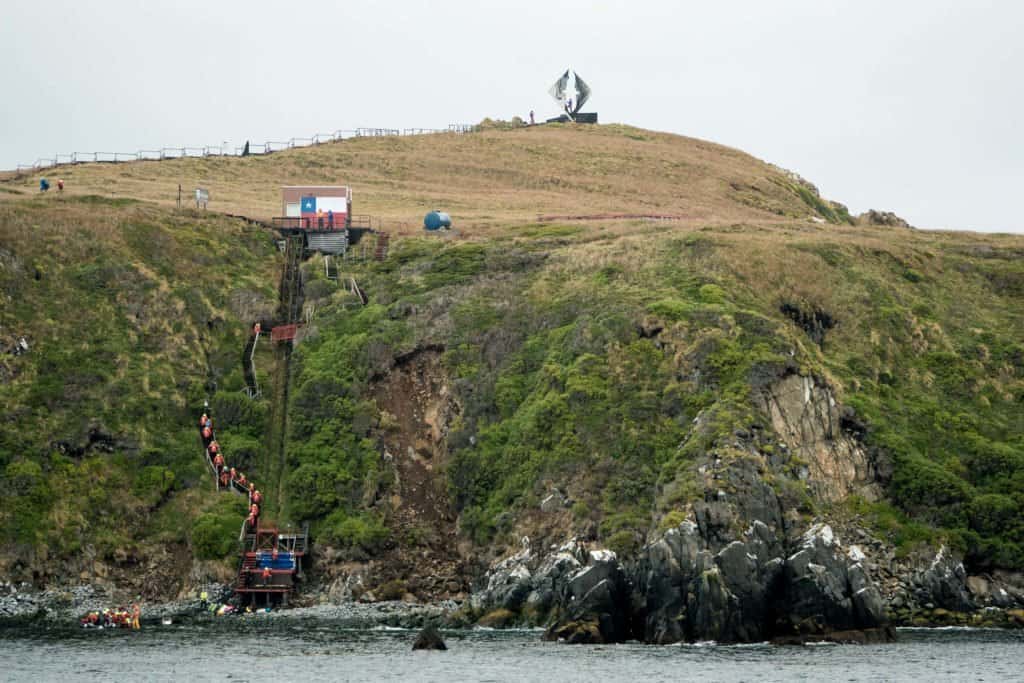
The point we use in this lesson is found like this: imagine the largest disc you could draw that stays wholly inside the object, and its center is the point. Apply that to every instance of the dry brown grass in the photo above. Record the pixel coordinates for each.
(488, 180)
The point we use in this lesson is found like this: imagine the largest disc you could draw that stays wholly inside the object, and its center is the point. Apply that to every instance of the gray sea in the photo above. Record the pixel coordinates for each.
(254, 649)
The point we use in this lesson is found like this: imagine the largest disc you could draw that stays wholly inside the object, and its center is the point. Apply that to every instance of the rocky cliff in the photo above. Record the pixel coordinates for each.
(758, 417)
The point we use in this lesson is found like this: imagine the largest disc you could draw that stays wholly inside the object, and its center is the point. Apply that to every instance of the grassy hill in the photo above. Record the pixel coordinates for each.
(133, 315)
(602, 359)
(491, 181)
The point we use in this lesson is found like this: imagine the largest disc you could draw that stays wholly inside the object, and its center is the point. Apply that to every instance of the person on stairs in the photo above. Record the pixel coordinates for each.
(254, 516)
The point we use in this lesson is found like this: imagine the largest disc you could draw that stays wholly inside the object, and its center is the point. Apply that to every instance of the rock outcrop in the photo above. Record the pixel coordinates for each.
(743, 565)
(750, 590)
(886, 218)
(688, 586)
(429, 639)
(804, 413)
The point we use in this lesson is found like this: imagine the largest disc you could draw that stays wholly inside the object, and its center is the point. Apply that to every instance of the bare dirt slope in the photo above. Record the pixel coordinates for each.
(417, 407)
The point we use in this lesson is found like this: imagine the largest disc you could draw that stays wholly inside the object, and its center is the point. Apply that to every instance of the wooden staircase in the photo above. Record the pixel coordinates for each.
(381, 252)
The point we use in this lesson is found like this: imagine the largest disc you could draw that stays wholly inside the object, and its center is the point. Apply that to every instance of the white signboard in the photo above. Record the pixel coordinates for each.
(335, 204)
(202, 197)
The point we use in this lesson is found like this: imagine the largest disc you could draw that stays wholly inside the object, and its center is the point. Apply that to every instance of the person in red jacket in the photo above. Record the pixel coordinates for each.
(218, 462)
(257, 497)
(267, 575)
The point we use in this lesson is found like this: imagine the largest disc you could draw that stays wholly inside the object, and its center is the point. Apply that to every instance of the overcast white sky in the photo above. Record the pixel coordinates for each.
(914, 107)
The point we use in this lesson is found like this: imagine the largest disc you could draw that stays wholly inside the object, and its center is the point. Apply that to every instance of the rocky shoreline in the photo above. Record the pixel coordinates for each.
(581, 595)
(683, 588)
(21, 603)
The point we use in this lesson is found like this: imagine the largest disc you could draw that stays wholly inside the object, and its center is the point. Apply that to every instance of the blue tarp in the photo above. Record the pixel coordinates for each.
(283, 561)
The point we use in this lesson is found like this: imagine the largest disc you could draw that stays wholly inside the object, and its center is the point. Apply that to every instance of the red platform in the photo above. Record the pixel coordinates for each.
(283, 333)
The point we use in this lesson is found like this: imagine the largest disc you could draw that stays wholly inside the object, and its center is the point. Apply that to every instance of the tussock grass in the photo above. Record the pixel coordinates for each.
(488, 180)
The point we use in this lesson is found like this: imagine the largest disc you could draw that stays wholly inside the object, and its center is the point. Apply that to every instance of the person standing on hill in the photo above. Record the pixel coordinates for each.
(60, 184)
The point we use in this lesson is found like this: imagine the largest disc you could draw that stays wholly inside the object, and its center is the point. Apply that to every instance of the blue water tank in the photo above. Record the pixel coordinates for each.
(435, 220)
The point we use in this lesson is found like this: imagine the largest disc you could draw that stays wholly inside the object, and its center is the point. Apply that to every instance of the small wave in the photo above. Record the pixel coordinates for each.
(385, 627)
(701, 643)
(925, 629)
(523, 629)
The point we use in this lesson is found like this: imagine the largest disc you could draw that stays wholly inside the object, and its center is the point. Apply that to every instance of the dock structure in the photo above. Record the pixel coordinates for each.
(270, 566)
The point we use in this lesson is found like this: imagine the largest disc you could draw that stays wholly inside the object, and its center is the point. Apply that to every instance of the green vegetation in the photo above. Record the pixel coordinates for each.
(609, 359)
(582, 394)
(215, 533)
(131, 315)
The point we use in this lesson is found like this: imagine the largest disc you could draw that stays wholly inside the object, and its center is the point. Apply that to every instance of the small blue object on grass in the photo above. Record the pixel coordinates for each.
(435, 220)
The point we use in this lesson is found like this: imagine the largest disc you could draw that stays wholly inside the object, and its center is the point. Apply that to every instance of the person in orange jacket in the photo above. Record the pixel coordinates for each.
(254, 516)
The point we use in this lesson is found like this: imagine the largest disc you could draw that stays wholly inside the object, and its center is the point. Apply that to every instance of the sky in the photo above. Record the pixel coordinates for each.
(909, 106)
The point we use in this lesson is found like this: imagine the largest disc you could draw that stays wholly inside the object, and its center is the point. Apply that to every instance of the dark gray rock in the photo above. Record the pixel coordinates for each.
(748, 591)
(429, 639)
(824, 591)
(943, 582)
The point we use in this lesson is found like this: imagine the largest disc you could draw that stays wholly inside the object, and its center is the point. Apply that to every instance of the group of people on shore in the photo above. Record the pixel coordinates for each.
(228, 476)
(114, 618)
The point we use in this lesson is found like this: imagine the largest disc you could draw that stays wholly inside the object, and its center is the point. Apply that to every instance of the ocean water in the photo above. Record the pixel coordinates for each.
(261, 649)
